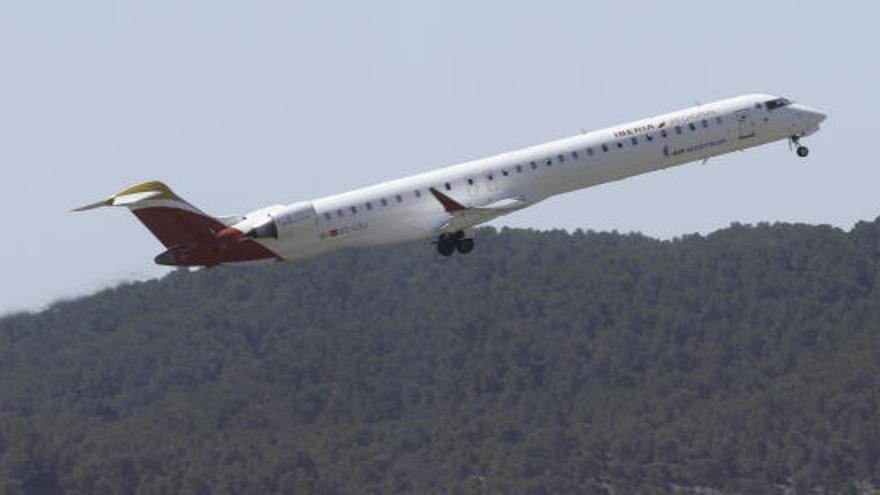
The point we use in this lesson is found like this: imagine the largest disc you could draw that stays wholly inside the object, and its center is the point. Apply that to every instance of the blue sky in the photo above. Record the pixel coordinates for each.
(237, 105)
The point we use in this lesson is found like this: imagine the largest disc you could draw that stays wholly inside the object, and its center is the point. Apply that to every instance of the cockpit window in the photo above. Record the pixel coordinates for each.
(777, 103)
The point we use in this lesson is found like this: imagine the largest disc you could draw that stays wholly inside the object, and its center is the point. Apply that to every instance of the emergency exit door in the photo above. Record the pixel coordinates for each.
(745, 123)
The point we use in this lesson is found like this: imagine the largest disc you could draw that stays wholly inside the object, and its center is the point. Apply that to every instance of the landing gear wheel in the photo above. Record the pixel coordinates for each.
(445, 245)
(801, 150)
(464, 246)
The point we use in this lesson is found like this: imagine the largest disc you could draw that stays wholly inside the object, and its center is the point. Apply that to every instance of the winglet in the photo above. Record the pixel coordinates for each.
(449, 204)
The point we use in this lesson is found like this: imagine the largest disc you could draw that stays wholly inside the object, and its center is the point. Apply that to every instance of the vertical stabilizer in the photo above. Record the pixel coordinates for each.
(169, 217)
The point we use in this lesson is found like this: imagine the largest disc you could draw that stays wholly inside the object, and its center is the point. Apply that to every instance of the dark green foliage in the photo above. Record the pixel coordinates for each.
(746, 361)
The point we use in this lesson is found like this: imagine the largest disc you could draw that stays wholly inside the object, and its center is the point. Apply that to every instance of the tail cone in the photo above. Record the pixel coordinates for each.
(167, 258)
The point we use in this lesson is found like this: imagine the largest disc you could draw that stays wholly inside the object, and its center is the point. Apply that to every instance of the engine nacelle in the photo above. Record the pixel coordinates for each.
(287, 221)
(268, 228)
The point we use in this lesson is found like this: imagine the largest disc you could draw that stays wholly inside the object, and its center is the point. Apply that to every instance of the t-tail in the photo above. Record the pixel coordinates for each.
(192, 237)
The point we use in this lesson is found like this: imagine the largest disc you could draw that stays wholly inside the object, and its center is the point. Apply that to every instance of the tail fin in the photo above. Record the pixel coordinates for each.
(171, 219)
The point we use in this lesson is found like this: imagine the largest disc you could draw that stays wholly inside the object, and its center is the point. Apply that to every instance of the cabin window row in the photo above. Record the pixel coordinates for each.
(381, 202)
(417, 193)
(663, 133)
(369, 206)
(560, 158)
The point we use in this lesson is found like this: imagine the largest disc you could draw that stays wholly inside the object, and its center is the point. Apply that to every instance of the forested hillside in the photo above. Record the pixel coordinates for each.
(745, 361)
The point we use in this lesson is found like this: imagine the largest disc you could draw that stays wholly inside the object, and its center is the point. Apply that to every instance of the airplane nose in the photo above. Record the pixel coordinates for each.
(811, 115)
(815, 116)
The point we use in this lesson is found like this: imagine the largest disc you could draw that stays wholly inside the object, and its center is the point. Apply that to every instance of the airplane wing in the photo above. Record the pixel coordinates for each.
(464, 217)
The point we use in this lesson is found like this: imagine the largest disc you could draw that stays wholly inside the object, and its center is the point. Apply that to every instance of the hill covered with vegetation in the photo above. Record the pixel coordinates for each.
(745, 361)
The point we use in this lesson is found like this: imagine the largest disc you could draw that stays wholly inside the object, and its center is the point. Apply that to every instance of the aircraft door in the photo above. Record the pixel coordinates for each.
(745, 123)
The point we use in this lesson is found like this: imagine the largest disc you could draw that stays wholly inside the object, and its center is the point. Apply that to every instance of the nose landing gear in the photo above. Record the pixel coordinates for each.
(447, 244)
(801, 150)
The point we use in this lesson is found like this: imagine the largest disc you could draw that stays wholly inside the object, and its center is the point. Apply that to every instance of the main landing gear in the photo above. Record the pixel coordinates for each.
(447, 244)
(801, 150)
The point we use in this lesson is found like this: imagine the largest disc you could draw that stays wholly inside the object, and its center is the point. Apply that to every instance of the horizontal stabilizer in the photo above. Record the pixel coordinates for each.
(121, 200)
(97, 204)
(171, 219)
(134, 195)
(134, 198)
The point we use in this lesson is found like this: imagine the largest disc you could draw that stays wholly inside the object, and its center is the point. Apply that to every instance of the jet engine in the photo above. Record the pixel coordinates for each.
(286, 221)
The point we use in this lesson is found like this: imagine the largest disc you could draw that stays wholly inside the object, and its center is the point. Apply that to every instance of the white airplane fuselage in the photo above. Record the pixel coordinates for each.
(405, 210)
(447, 203)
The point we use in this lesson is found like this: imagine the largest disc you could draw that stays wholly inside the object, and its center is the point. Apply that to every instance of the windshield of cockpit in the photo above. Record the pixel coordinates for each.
(777, 103)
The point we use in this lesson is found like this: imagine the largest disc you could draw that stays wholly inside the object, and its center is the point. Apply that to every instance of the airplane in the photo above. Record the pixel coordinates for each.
(446, 204)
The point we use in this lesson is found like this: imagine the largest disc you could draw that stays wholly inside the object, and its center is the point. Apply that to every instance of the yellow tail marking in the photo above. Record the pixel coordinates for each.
(165, 192)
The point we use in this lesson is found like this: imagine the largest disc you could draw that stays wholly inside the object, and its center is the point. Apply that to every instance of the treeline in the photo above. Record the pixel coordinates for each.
(745, 361)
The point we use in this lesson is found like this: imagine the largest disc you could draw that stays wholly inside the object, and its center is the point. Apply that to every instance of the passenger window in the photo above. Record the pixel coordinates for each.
(692, 127)
(339, 213)
(519, 169)
(470, 182)
(678, 129)
(620, 144)
(448, 186)
(634, 141)
(419, 193)
(369, 205)
(663, 133)
(574, 154)
(489, 176)
(399, 198)
(504, 173)
(649, 137)
(705, 123)
(534, 165)
(605, 148)
(561, 158)
(327, 216)
(718, 120)
(384, 202)
(354, 210)
(590, 151)
(548, 162)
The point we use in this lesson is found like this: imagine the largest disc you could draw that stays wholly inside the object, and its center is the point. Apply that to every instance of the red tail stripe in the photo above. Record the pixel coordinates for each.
(173, 226)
